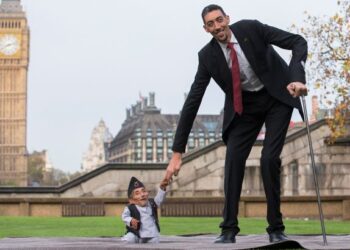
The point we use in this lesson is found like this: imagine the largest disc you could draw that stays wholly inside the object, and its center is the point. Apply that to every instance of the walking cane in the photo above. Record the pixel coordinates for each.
(314, 169)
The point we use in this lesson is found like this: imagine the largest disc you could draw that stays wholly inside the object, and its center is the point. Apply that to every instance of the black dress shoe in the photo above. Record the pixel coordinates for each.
(277, 237)
(226, 237)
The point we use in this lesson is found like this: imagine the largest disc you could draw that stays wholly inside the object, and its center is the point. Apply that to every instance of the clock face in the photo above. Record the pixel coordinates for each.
(9, 45)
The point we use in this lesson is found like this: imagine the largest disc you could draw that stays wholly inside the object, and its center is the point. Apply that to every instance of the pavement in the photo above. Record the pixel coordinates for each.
(177, 242)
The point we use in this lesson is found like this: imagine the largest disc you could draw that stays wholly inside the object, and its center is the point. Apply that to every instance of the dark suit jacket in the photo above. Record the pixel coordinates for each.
(256, 40)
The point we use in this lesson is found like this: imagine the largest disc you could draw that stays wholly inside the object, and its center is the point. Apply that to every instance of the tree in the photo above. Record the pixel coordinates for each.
(75, 175)
(59, 177)
(328, 66)
(36, 165)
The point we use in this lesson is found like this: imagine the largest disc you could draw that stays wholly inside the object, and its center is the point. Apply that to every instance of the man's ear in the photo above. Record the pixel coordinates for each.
(205, 28)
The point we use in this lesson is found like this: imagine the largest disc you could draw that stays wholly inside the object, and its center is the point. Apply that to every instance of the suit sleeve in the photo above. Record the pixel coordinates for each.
(286, 40)
(191, 106)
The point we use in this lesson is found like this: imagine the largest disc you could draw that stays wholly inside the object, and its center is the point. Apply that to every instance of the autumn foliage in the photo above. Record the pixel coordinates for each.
(328, 66)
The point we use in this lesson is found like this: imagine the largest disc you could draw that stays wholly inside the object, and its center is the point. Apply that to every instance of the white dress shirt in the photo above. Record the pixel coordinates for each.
(249, 80)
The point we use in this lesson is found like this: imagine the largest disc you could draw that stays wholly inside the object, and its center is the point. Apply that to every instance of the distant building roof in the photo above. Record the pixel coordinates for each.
(143, 119)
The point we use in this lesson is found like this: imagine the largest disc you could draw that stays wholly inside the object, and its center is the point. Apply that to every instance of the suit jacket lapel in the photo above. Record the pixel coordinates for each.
(245, 45)
(220, 63)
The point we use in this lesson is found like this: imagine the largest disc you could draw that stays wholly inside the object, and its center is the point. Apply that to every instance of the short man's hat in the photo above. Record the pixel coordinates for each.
(133, 184)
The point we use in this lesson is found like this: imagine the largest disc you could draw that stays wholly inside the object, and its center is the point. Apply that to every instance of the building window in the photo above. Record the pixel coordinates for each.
(159, 142)
(201, 141)
(138, 143)
(170, 134)
(138, 132)
(149, 142)
(149, 154)
(149, 132)
(170, 143)
(138, 155)
(170, 153)
(200, 133)
(159, 155)
(159, 133)
(211, 137)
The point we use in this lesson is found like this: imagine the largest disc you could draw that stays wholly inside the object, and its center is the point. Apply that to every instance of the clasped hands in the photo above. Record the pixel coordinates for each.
(173, 167)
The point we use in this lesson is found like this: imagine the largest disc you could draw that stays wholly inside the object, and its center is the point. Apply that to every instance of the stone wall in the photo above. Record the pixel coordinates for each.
(334, 207)
(114, 183)
(202, 173)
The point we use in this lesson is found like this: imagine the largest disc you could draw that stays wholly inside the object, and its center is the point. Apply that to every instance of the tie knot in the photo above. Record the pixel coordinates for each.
(230, 45)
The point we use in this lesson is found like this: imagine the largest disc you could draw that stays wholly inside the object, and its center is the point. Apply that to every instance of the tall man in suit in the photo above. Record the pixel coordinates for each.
(259, 88)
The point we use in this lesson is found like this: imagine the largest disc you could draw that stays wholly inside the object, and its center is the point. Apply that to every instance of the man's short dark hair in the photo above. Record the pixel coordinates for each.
(210, 8)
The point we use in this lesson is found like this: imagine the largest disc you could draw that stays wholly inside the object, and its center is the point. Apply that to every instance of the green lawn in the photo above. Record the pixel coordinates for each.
(113, 226)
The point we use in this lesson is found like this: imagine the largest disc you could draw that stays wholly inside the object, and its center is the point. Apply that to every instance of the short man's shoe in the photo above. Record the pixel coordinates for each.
(277, 237)
(226, 237)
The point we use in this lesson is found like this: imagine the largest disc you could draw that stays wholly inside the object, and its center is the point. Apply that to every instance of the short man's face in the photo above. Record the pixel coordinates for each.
(139, 197)
(217, 24)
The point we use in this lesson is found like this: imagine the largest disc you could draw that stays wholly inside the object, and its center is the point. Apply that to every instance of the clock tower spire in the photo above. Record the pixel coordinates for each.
(14, 59)
(11, 6)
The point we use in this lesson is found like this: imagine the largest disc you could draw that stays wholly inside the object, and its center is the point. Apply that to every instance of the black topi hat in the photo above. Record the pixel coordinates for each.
(133, 184)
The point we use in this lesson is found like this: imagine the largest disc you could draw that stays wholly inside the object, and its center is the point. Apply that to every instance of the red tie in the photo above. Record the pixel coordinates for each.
(236, 81)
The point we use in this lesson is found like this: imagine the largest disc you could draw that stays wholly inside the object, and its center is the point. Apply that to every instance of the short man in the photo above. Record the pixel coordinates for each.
(140, 216)
(259, 88)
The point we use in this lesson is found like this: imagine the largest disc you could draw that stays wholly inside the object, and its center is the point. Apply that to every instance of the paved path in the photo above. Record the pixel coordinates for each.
(177, 242)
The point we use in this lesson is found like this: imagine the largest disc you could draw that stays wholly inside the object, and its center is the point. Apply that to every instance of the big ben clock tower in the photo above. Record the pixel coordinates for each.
(14, 58)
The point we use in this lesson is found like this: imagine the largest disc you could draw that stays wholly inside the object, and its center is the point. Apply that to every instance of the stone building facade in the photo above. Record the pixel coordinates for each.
(14, 58)
(147, 134)
(96, 155)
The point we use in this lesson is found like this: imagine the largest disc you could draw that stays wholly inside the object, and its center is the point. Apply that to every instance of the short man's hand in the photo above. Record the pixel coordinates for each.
(173, 167)
(164, 184)
(134, 223)
(297, 89)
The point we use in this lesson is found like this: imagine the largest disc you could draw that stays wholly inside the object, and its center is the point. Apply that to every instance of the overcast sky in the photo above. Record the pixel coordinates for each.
(90, 59)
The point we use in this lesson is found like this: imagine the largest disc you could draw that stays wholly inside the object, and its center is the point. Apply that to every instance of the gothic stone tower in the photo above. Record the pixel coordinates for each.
(14, 58)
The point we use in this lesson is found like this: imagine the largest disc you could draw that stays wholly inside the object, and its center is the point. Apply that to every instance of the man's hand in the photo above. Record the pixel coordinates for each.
(297, 89)
(164, 184)
(134, 223)
(173, 167)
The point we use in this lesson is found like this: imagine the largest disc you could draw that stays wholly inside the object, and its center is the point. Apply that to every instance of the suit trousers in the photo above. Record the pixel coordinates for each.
(258, 108)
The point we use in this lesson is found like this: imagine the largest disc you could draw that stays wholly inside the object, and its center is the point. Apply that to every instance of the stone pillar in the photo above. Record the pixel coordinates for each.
(143, 140)
(346, 209)
(24, 209)
(154, 143)
(241, 209)
(165, 150)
